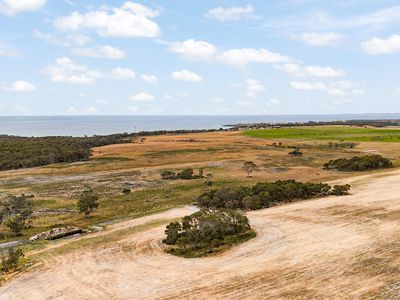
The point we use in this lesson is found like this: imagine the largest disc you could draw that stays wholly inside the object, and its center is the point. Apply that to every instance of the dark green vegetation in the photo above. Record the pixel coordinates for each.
(359, 163)
(207, 231)
(267, 194)
(88, 202)
(340, 133)
(15, 212)
(25, 152)
(184, 174)
(10, 260)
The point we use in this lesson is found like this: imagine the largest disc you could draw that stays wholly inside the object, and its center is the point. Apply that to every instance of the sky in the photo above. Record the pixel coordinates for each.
(70, 57)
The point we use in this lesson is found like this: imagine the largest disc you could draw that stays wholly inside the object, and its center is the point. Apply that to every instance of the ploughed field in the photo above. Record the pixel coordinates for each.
(330, 248)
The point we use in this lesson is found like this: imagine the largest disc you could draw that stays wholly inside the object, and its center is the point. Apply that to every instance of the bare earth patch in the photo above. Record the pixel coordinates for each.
(330, 248)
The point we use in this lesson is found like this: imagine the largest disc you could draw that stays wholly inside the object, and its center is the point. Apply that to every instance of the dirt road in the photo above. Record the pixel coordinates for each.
(330, 248)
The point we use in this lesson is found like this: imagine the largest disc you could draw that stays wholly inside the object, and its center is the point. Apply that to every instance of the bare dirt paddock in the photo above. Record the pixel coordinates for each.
(331, 248)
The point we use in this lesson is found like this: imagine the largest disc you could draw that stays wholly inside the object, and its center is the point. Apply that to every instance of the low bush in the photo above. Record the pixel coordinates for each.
(10, 260)
(359, 163)
(267, 194)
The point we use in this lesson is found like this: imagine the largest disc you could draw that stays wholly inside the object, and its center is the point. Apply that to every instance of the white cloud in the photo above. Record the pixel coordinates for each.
(142, 97)
(235, 13)
(13, 7)
(130, 20)
(377, 45)
(242, 57)
(320, 39)
(302, 85)
(314, 71)
(324, 71)
(149, 78)
(123, 73)
(72, 39)
(322, 20)
(253, 87)
(185, 75)
(193, 49)
(7, 51)
(177, 96)
(335, 88)
(79, 39)
(105, 51)
(20, 86)
(64, 70)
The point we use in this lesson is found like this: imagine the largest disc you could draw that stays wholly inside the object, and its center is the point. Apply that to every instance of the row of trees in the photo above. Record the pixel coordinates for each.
(359, 163)
(205, 230)
(267, 194)
(25, 152)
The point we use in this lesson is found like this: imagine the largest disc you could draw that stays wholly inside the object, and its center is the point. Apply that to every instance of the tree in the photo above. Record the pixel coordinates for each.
(88, 202)
(15, 212)
(10, 261)
(249, 167)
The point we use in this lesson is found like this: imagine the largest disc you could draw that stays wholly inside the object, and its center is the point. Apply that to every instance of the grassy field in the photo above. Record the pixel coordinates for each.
(334, 133)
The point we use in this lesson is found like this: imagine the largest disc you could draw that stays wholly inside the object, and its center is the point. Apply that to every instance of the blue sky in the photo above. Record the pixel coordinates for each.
(70, 57)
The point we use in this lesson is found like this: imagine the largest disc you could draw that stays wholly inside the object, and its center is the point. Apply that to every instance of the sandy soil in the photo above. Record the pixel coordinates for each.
(330, 248)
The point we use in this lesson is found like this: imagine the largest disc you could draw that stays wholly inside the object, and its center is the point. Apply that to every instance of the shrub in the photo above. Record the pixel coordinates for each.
(341, 190)
(296, 152)
(167, 174)
(126, 191)
(10, 261)
(359, 163)
(16, 211)
(88, 202)
(185, 174)
(249, 167)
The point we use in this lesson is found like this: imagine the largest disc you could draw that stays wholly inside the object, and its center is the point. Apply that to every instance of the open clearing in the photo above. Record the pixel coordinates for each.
(330, 248)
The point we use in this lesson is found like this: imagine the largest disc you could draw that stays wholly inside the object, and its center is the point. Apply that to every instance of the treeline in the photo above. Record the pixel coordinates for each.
(359, 163)
(205, 231)
(25, 152)
(267, 194)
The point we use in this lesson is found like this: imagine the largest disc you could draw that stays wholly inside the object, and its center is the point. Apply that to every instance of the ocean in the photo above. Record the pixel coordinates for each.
(101, 125)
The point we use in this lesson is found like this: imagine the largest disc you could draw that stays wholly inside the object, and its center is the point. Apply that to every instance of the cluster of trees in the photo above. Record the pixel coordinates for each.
(25, 152)
(267, 194)
(204, 231)
(184, 174)
(359, 163)
(16, 212)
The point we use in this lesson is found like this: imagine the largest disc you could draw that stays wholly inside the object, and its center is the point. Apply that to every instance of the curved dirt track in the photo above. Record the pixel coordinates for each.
(330, 248)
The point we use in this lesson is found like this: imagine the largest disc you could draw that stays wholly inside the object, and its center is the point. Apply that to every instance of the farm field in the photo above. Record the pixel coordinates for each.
(342, 133)
(330, 248)
(133, 225)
